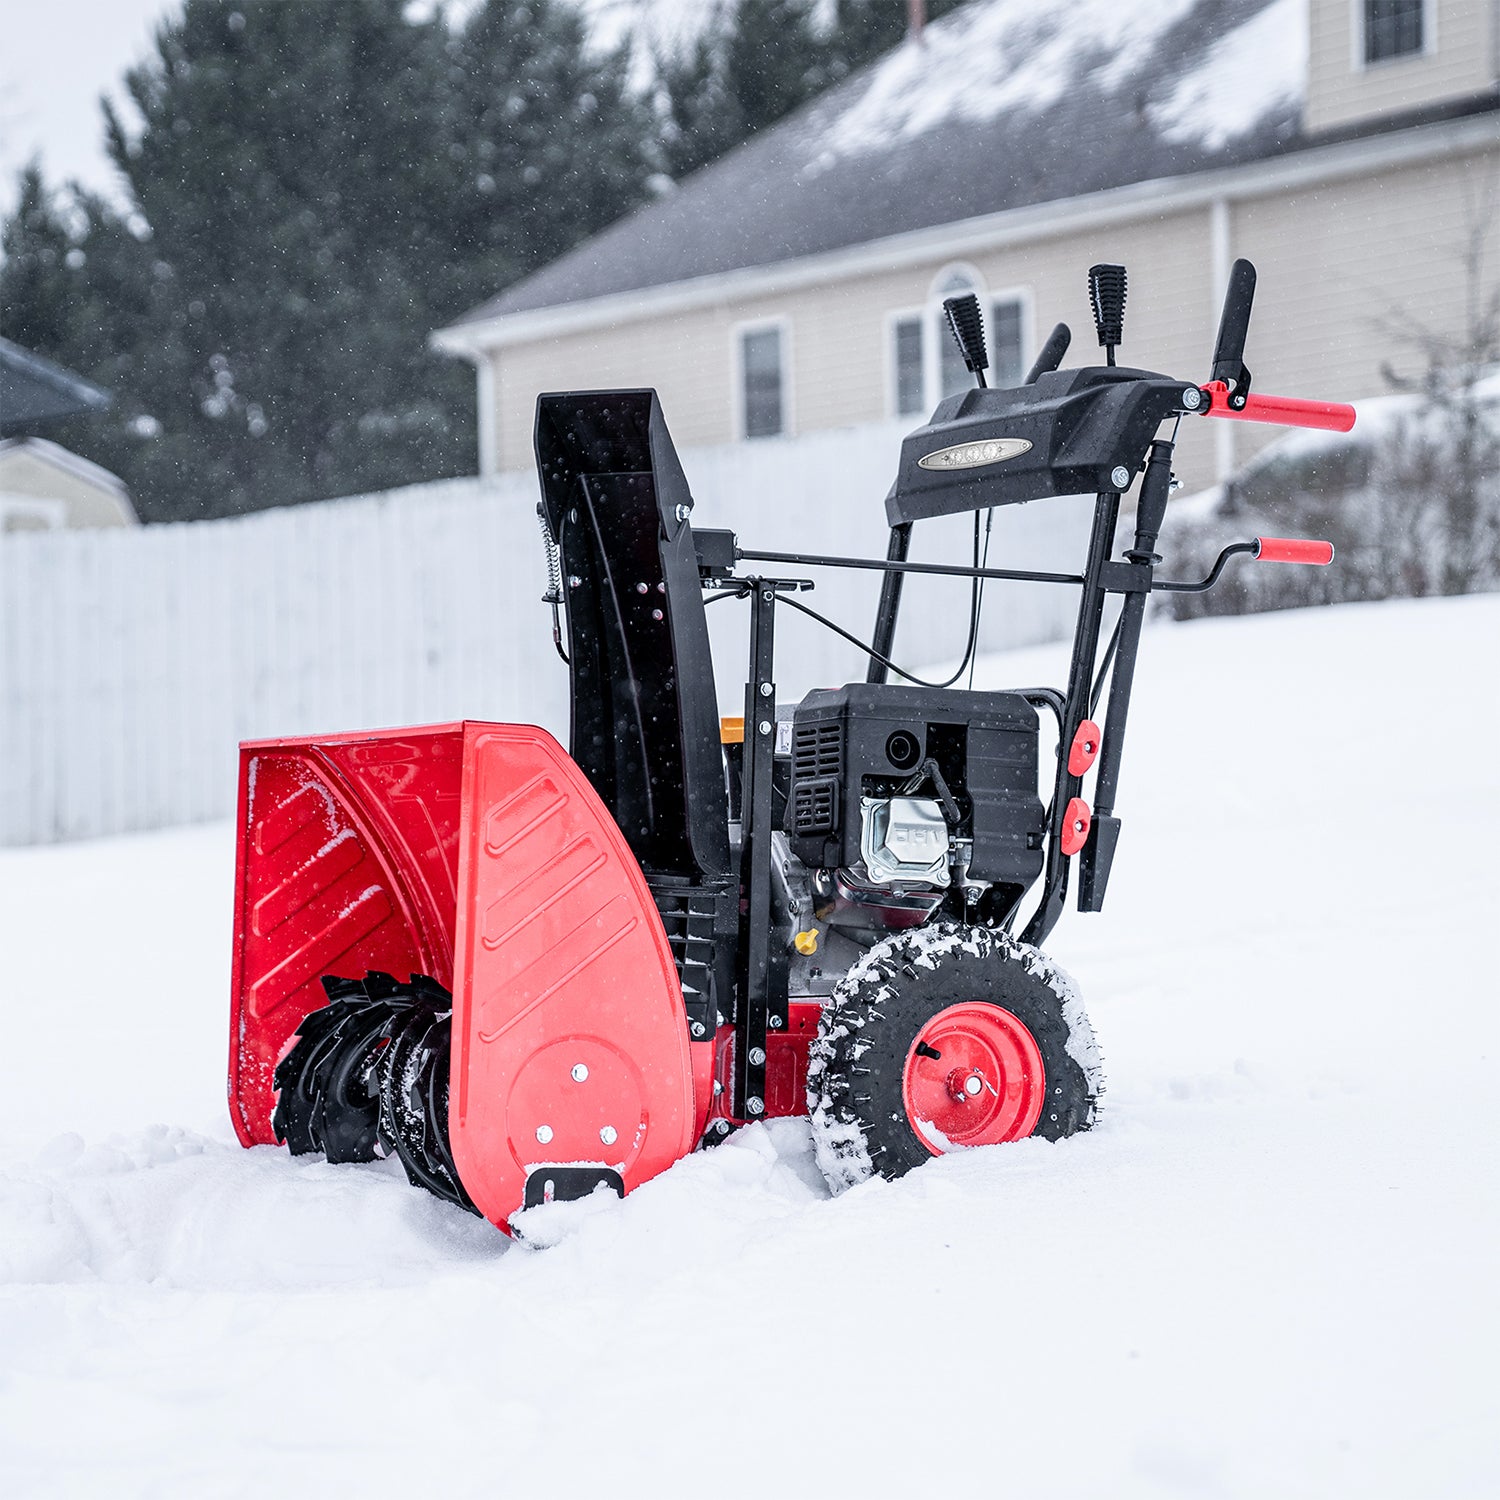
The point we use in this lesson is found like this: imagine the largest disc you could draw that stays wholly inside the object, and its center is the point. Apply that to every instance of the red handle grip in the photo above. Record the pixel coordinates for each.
(1285, 411)
(1292, 550)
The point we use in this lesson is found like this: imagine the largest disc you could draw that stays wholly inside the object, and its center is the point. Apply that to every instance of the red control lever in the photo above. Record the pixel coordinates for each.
(1285, 411)
(1292, 550)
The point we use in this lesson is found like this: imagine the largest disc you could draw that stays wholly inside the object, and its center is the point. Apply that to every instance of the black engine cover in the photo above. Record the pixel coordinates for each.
(870, 739)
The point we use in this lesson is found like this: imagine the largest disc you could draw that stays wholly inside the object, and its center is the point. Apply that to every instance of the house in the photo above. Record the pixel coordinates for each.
(1349, 147)
(43, 485)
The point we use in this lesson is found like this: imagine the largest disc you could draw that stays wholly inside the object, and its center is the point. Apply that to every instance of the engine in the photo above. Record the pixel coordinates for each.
(902, 800)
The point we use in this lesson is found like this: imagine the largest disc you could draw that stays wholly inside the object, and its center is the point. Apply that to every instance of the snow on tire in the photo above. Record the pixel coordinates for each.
(944, 1038)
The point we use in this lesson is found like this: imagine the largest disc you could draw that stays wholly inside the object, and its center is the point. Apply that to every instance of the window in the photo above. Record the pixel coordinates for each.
(1006, 362)
(1393, 28)
(762, 381)
(925, 363)
(907, 354)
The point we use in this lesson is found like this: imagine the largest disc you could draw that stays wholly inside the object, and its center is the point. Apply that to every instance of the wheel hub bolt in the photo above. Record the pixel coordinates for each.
(965, 1086)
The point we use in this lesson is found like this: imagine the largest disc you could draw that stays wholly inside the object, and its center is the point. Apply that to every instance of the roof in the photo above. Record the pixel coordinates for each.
(1002, 104)
(33, 389)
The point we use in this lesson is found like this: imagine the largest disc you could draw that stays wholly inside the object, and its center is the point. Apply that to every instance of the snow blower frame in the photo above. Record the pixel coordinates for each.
(617, 954)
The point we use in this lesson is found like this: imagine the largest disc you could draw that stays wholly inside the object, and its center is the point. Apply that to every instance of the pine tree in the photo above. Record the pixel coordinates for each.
(549, 140)
(314, 188)
(40, 308)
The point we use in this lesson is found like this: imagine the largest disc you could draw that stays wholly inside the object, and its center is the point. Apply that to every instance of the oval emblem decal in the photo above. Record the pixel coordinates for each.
(975, 455)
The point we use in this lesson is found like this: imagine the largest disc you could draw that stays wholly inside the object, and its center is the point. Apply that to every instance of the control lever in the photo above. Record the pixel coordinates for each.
(1051, 353)
(1107, 298)
(966, 324)
(1234, 322)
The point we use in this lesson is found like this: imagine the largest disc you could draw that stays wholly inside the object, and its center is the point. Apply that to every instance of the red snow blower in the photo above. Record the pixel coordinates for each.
(531, 972)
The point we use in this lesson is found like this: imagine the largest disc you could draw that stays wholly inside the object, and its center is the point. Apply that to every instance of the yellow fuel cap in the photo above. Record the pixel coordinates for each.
(806, 943)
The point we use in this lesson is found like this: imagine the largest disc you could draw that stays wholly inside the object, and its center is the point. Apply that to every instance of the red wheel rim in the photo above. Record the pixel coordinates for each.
(985, 1085)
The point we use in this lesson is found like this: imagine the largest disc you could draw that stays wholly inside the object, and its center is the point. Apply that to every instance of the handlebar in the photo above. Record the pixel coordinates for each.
(1285, 549)
(1284, 411)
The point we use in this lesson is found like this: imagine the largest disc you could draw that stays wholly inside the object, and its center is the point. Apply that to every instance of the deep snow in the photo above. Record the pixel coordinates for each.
(1270, 1270)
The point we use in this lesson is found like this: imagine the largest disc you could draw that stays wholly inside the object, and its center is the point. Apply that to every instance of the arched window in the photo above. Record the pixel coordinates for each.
(925, 363)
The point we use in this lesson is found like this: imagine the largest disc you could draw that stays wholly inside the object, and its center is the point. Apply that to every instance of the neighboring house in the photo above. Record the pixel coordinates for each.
(43, 486)
(1349, 147)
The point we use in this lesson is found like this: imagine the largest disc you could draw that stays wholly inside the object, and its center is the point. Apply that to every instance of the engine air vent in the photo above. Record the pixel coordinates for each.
(818, 750)
(815, 806)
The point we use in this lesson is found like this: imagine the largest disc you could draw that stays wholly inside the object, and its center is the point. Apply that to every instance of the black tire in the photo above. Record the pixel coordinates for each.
(858, 1066)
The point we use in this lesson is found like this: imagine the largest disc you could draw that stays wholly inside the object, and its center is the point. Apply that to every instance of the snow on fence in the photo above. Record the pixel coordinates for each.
(133, 660)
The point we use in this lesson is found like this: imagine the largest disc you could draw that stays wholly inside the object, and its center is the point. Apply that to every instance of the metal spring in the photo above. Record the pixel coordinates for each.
(554, 560)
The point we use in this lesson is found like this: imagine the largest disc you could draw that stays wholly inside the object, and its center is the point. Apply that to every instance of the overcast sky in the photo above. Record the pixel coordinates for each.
(57, 58)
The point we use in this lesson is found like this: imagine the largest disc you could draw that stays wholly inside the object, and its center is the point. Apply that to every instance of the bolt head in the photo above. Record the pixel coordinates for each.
(721, 1127)
(642, 588)
(757, 1055)
(656, 614)
(544, 1133)
(1192, 398)
(764, 727)
(1119, 476)
(755, 1106)
(973, 1085)
(698, 1028)
(766, 690)
(580, 1072)
(775, 1023)
(574, 581)
(608, 1134)
(683, 512)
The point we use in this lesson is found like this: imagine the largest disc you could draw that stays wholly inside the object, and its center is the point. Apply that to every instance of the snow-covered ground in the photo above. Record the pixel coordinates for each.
(1271, 1269)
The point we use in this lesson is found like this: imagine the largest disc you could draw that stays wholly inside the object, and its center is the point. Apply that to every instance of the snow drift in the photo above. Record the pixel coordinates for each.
(1267, 1270)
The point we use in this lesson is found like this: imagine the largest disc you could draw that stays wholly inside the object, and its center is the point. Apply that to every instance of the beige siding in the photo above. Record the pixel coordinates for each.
(26, 475)
(1349, 271)
(839, 335)
(1460, 60)
(1341, 263)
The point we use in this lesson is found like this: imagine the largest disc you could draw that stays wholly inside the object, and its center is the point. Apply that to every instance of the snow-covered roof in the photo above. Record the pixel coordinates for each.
(1001, 104)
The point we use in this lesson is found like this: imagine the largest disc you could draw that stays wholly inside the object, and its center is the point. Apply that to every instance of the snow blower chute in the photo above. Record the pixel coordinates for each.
(530, 973)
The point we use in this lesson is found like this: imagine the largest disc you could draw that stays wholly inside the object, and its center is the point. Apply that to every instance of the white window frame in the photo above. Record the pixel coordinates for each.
(782, 324)
(930, 316)
(1357, 34)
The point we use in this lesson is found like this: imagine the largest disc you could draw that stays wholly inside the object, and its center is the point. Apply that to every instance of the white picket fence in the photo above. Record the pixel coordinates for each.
(133, 661)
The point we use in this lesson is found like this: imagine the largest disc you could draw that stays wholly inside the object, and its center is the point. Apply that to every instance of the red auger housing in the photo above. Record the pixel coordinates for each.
(533, 973)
